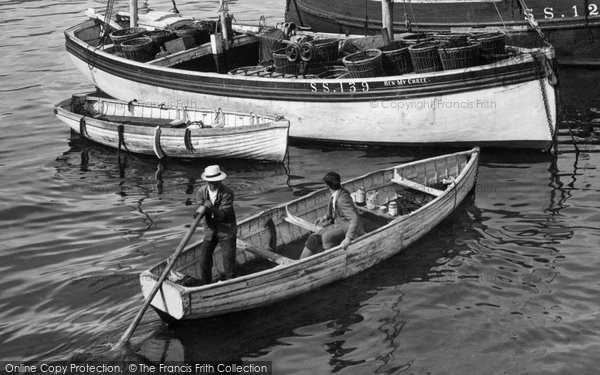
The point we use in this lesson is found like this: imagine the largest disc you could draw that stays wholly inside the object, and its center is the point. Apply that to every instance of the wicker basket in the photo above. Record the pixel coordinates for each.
(364, 64)
(491, 43)
(138, 49)
(414, 38)
(334, 71)
(283, 65)
(200, 36)
(159, 37)
(325, 50)
(120, 36)
(451, 39)
(460, 57)
(396, 58)
(425, 57)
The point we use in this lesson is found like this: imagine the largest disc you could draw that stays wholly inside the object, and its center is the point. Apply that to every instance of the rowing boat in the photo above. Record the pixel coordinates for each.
(269, 243)
(508, 101)
(175, 131)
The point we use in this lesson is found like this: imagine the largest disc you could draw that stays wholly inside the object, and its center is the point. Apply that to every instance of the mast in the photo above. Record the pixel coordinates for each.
(387, 19)
(133, 13)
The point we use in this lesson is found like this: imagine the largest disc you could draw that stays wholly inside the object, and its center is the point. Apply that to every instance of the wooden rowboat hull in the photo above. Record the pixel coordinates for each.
(510, 103)
(264, 140)
(298, 276)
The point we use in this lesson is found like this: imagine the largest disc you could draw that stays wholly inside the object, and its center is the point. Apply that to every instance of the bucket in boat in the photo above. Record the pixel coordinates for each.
(451, 40)
(396, 58)
(364, 64)
(393, 208)
(282, 63)
(460, 57)
(120, 36)
(138, 49)
(414, 38)
(491, 43)
(425, 57)
(372, 199)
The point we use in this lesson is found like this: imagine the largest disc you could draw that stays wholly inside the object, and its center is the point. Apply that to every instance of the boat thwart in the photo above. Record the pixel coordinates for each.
(269, 243)
(175, 131)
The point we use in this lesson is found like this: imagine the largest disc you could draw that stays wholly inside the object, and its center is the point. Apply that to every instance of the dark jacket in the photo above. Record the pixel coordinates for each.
(221, 217)
(346, 213)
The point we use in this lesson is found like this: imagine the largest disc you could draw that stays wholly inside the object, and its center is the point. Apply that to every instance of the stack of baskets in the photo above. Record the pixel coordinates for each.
(364, 64)
(460, 57)
(425, 57)
(414, 38)
(396, 58)
(491, 43)
(284, 64)
(123, 35)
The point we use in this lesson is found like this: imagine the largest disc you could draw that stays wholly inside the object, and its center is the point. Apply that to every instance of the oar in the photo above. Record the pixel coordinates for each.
(129, 332)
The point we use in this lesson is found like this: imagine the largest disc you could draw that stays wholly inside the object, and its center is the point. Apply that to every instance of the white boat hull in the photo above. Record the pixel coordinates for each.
(512, 115)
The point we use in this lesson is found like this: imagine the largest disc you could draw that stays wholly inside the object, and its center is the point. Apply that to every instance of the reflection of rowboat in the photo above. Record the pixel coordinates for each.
(508, 102)
(427, 190)
(179, 132)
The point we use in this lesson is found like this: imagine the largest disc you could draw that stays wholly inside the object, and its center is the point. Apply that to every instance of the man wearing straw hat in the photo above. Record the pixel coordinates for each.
(220, 226)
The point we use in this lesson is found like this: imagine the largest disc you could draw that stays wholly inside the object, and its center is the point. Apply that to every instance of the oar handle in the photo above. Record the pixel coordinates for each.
(129, 332)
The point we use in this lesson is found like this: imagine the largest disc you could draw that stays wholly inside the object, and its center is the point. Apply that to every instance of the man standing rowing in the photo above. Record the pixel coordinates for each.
(220, 226)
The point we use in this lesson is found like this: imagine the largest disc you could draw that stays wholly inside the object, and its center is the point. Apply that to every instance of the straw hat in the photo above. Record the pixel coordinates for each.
(213, 173)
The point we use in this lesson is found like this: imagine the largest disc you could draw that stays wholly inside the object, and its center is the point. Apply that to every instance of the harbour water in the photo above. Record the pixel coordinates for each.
(508, 284)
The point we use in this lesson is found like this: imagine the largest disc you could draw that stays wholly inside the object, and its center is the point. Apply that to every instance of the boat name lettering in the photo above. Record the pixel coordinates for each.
(550, 13)
(406, 81)
(339, 86)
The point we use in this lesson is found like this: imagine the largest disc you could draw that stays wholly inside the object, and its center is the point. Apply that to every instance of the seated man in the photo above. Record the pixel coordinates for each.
(342, 223)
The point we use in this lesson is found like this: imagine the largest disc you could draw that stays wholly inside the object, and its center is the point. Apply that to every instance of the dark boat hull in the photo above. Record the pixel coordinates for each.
(574, 35)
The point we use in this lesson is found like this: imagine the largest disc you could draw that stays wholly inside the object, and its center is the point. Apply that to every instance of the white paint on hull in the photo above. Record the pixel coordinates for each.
(506, 114)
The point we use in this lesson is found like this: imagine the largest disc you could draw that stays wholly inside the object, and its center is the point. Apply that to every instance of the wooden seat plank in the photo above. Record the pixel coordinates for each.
(263, 252)
(414, 185)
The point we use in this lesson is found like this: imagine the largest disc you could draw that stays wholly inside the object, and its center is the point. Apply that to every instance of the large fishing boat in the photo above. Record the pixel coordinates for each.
(505, 99)
(423, 193)
(572, 26)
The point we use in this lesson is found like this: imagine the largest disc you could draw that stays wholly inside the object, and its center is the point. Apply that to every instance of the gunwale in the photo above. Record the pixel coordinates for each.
(335, 254)
(272, 130)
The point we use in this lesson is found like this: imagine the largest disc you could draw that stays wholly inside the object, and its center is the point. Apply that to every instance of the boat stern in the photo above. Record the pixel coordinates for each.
(169, 299)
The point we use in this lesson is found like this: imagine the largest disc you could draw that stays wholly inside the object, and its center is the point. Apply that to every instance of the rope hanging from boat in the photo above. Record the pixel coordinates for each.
(529, 17)
(502, 20)
(366, 17)
(158, 151)
(120, 131)
(82, 128)
(187, 140)
(107, 17)
(543, 70)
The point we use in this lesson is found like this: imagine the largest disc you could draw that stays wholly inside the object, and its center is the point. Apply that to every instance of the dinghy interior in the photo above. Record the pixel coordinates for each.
(276, 236)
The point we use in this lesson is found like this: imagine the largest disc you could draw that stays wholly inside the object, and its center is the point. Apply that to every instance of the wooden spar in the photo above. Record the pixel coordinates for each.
(129, 332)
(133, 13)
(263, 253)
(387, 18)
(301, 222)
(413, 185)
(223, 19)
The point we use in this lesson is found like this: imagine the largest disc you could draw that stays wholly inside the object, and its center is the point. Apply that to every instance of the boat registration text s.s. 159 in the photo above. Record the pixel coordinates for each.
(339, 86)
(362, 86)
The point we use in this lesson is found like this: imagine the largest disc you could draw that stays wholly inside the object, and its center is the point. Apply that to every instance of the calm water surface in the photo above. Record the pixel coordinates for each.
(508, 284)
